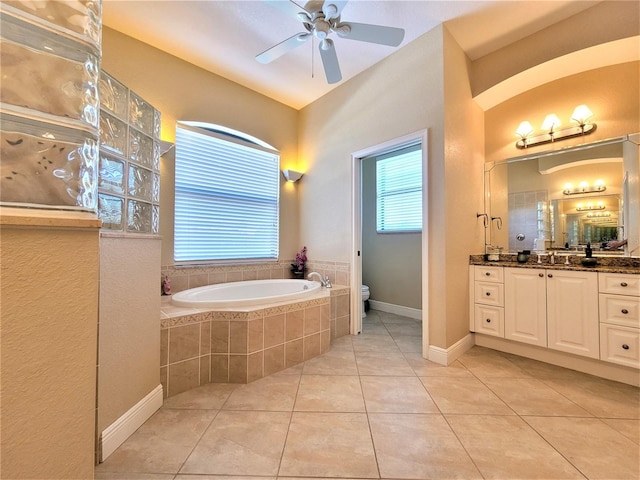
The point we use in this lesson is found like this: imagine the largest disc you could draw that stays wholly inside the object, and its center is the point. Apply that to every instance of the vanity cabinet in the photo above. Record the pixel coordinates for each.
(572, 312)
(525, 305)
(487, 315)
(620, 318)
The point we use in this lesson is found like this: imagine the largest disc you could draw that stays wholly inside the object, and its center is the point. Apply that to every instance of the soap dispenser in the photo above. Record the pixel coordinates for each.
(588, 260)
(588, 252)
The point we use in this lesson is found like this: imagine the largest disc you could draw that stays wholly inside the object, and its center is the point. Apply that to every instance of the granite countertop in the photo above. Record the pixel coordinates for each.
(606, 264)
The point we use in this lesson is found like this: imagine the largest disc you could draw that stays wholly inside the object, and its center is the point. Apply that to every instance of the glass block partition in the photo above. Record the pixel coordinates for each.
(129, 171)
(50, 59)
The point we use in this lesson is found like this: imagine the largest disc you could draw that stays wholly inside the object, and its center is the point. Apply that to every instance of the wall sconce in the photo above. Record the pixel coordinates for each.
(584, 187)
(598, 215)
(590, 206)
(292, 175)
(580, 115)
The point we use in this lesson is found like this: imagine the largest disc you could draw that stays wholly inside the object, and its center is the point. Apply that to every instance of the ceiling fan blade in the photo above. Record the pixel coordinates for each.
(288, 7)
(330, 61)
(333, 8)
(365, 32)
(283, 47)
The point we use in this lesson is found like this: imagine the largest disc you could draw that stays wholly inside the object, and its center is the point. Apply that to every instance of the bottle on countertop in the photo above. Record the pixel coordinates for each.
(588, 253)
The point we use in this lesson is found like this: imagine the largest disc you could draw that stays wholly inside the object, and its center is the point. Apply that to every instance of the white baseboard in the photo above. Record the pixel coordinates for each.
(446, 356)
(414, 313)
(115, 434)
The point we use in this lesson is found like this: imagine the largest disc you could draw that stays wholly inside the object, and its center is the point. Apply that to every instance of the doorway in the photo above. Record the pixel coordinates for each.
(357, 159)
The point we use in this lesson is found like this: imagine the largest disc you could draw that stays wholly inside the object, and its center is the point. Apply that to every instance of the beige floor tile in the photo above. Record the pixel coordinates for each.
(487, 363)
(210, 396)
(342, 343)
(131, 476)
(334, 362)
(418, 446)
(162, 444)
(543, 370)
(274, 393)
(329, 445)
(388, 318)
(401, 329)
(374, 343)
(426, 368)
(591, 445)
(220, 477)
(602, 398)
(464, 396)
(628, 428)
(505, 447)
(382, 363)
(528, 396)
(329, 393)
(408, 344)
(240, 443)
(396, 395)
(374, 329)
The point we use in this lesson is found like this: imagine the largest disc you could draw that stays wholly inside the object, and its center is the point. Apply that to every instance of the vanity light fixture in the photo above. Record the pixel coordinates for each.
(584, 187)
(292, 175)
(590, 206)
(552, 132)
(598, 214)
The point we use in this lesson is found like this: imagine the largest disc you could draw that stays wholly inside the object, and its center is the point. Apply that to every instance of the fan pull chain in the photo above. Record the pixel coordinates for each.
(313, 53)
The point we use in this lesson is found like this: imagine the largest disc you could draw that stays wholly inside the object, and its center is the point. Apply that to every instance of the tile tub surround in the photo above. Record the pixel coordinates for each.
(184, 278)
(242, 345)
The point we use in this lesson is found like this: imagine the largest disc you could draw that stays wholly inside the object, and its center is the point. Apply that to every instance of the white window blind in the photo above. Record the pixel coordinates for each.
(226, 198)
(399, 191)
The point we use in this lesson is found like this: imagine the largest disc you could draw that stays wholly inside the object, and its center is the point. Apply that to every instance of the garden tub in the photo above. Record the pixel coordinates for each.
(245, 293)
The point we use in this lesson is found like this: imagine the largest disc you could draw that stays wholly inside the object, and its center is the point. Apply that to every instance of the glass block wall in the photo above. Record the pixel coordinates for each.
(129, 171)
(50, 59)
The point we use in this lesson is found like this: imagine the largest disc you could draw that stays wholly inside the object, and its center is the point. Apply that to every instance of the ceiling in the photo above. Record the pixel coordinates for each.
(224, 36)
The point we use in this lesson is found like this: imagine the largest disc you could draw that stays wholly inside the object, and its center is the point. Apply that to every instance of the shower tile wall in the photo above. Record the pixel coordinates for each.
(523, 217)
(239, 347)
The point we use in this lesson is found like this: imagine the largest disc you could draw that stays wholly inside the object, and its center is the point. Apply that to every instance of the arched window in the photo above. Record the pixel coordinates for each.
(227, 193)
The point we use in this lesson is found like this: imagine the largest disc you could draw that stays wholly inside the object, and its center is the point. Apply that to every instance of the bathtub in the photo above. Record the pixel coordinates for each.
(246, 293)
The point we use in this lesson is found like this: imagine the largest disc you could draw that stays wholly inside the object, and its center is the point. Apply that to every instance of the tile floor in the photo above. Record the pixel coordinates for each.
(373, 408)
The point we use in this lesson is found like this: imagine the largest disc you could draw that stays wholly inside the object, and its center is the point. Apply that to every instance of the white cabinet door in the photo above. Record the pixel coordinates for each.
(572, 312)
(525, 306)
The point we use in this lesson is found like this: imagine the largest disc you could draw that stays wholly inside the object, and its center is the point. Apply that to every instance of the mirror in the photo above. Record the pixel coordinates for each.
(565, 199)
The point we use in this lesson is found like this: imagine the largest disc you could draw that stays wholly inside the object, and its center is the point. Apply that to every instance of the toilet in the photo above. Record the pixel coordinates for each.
(365, 297)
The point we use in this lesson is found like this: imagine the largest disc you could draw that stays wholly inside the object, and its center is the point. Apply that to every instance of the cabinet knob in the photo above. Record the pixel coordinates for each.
(550, 275)
(541, 274)
(488, 274)
(625, 346)
(623, 284)
(488, 320)
(625, 311)
(488, 294)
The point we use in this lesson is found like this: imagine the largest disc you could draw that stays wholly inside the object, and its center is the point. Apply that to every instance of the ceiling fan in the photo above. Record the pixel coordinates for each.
(321, 18)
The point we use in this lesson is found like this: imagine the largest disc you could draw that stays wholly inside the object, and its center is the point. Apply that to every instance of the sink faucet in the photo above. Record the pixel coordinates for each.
(552, 258)
(324, 281)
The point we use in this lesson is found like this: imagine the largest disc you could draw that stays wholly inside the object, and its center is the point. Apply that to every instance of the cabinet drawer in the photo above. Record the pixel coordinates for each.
(489, 293)
(620, 345)
(619, 283)
(620, 310)
(489, 320)
(488, 274)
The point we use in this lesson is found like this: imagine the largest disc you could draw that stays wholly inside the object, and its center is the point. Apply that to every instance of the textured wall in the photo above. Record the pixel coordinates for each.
(129, 324)
(49, 320)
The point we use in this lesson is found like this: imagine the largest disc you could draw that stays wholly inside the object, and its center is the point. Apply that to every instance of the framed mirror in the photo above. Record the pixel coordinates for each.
(566, 199)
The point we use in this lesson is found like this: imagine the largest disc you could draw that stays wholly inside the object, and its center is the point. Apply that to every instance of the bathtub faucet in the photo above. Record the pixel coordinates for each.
(324, 281)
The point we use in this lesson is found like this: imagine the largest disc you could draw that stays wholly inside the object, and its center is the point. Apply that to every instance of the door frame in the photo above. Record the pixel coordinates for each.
(356, 229)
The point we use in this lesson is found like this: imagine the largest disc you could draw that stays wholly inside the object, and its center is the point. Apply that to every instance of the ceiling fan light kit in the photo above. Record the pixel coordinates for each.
(320, 19)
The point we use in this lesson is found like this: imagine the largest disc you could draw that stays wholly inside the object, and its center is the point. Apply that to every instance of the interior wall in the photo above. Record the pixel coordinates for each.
(611, 93)
(605, 22)
(182, 91)
(49, 324)
(391, 262)
(129, 352)
(462, 231)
